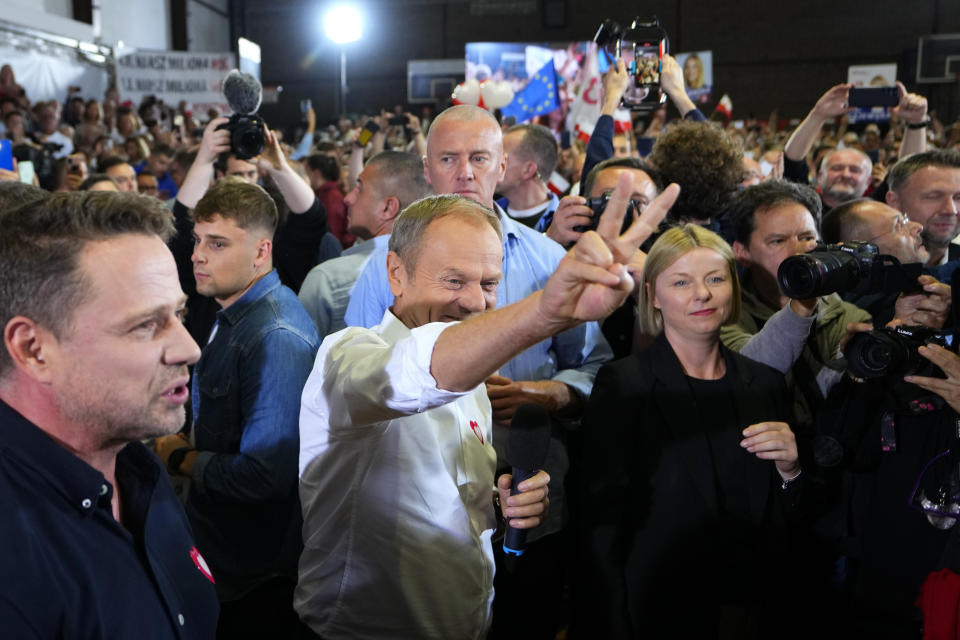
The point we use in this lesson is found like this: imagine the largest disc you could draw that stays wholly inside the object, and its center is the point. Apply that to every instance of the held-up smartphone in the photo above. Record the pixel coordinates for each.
(26, 171)
(642, 48)
(873, 97)
(178, 120)
(366, 134)
(6, 155)
(305, 106)
(398, 121)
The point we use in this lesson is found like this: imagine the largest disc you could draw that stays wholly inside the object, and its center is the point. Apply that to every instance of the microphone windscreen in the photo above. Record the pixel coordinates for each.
(243, 92)
(529, 437)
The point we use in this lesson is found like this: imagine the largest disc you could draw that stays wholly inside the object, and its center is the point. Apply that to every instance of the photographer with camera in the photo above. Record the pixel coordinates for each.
(843, 420)
(297, 237)
(773, 221)
(894, 234)
(889, 436)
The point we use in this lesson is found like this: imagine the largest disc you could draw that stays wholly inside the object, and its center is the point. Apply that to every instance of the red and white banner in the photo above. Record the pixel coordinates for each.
(588, 103)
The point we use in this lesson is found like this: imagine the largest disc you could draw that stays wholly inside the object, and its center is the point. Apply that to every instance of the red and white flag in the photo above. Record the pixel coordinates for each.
(724, 107)
(621, 121)
(558, 184)
(588, 103)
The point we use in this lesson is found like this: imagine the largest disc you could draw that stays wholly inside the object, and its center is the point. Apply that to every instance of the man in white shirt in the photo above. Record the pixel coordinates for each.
(48, 133)
(396, 463)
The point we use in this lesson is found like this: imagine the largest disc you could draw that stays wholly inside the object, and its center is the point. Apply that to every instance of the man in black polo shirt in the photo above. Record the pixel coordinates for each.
(95, 544)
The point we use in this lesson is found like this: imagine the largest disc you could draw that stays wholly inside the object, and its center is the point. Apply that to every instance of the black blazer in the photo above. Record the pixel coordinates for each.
(657, 550)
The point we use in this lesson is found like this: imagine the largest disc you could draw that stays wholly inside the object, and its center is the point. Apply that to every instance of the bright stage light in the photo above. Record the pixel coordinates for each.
(343, 24)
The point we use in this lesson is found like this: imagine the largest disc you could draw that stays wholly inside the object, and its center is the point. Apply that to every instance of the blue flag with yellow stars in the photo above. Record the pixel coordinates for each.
(538, 98)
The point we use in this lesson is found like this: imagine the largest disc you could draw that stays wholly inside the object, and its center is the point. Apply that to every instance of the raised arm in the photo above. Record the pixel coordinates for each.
(671, 79)
(589, 284)
(830, 105)
(201, 174)
(296, 192)
(913, 111)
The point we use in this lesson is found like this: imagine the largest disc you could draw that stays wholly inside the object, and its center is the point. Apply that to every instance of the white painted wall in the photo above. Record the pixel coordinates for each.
(208, 30)
(143, 24)
(51, 16)
(140, 24)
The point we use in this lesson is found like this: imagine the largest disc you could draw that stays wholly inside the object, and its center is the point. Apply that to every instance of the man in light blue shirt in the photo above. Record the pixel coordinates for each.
(390, 181)
(465, 156)
(531, 159)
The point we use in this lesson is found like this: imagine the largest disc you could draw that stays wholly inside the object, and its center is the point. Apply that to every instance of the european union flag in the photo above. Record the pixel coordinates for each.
(538, 98)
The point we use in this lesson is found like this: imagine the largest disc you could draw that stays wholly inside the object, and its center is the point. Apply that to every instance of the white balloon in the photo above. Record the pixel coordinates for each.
(496, 95)
(467, 92)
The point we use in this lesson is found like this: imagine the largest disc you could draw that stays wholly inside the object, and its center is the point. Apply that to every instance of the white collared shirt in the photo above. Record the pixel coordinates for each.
(395, 483)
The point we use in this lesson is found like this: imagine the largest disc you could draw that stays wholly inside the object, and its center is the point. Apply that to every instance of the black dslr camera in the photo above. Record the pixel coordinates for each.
(599, 204)
(246, 135)
(892, 352)
(841, 268)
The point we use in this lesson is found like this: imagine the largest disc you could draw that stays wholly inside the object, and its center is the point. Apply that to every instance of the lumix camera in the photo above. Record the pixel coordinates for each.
(642, 47)
(853, 267)
(246, 135)
(598, 205)
(892, 352)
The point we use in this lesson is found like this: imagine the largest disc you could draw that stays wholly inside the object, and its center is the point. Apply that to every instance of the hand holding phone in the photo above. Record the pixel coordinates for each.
(366, 134)
(873, 97)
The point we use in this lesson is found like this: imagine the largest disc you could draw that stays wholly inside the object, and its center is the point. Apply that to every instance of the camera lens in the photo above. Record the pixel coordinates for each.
(875, 354)
(818, 273)
(247, 140)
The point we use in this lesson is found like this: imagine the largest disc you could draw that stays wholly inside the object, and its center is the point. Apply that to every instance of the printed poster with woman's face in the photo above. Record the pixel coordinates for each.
(697, 74)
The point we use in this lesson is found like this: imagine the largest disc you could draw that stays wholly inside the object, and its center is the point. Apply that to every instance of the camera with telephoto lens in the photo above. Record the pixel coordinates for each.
(246, 135)
(598, 205)
(852, 267)
(891, 352)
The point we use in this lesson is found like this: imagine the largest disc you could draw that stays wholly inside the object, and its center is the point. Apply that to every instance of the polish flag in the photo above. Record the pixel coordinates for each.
(586, 107)
(724, 107)
(621, 121)
(557, 184)
(583, 132)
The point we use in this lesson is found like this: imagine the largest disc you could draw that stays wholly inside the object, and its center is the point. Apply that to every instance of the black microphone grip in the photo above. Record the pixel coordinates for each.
(515, 540)
(526, 453)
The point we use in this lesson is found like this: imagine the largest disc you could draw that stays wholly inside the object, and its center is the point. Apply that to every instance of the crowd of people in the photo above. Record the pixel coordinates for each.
(285, 396)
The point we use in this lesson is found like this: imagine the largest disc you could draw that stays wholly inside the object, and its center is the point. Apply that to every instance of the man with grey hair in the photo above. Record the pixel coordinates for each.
(926, 188)
(531, 152)
(465, 157)
(844, 174)
(95, 359)
(389, 182)
(396, 458)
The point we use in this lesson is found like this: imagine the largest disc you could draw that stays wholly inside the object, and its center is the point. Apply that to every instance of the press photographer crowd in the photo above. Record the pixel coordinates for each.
(627, 371)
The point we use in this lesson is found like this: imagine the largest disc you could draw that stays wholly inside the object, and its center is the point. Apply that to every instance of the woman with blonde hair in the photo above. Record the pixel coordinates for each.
(689, 466)
(693, 75)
